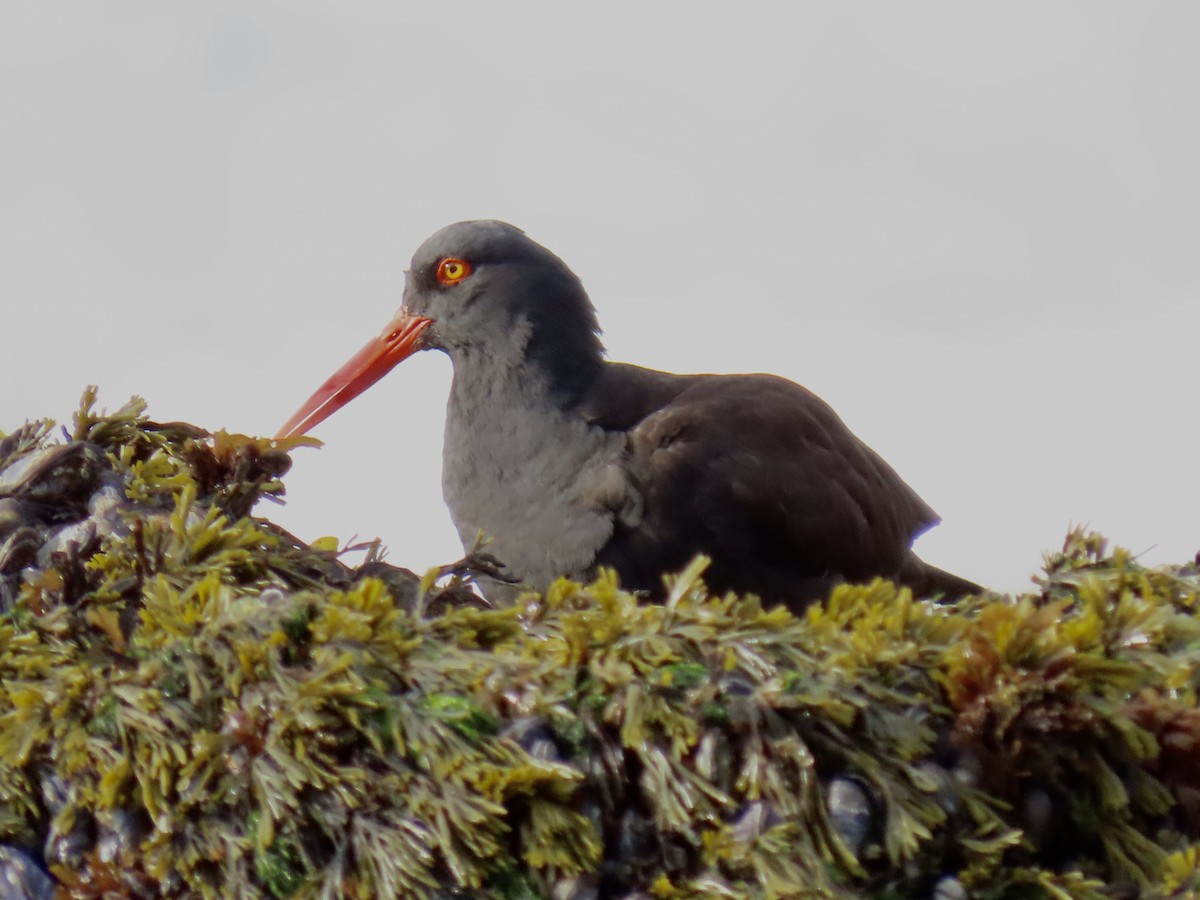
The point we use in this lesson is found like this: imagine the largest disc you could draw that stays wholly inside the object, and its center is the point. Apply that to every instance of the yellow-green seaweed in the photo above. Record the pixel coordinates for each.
(256, 718)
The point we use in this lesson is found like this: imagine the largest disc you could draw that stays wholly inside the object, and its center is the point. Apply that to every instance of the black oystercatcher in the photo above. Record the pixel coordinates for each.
(568, 462)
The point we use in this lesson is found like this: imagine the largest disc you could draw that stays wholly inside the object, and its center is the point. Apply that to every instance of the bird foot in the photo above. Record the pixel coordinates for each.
(475, 565)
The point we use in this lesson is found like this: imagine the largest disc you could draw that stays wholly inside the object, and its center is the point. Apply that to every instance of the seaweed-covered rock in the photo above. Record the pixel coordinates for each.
(195, 703)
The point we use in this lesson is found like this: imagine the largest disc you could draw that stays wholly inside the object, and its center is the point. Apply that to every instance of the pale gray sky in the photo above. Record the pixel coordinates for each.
(973, 229)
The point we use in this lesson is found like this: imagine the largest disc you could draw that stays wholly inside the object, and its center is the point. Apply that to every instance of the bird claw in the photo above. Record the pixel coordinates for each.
(474, 565)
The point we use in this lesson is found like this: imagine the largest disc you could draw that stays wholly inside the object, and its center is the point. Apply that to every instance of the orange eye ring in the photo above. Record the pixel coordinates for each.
(452, 270)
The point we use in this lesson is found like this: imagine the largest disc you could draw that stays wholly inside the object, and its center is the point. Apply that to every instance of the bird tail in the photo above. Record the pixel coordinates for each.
(930, 581)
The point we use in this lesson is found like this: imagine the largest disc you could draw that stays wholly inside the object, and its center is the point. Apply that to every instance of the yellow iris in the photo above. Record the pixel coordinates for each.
(453, 270)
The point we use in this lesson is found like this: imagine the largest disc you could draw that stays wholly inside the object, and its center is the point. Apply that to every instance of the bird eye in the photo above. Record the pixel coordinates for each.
(452, 270)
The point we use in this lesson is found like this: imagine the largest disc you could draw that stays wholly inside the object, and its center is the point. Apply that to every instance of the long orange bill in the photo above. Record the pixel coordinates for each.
(397, 342)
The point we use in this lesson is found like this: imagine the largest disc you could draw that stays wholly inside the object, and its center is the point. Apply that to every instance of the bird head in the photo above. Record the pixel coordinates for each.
(483, 289)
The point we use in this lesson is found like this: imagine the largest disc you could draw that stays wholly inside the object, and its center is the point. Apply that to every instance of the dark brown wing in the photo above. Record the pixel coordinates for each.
(761, 475)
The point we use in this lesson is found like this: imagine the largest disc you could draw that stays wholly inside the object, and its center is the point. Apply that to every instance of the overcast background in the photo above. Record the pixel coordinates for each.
(972, 229)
